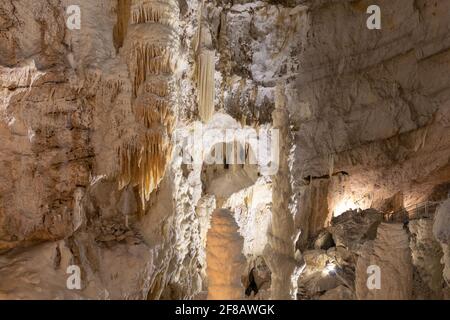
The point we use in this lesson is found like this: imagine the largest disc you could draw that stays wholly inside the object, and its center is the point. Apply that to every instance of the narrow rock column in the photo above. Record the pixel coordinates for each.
(224, 258)
(280, 252)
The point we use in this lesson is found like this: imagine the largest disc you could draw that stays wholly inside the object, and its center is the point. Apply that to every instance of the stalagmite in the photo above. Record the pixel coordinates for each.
(205, 67)
(224, 258)
(281, 255)
(153, 48)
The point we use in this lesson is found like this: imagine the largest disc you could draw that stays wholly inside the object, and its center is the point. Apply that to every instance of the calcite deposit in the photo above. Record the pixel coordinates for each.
(224, 149)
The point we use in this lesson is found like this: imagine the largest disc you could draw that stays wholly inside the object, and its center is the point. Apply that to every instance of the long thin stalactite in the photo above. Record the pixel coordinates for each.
(205, 68)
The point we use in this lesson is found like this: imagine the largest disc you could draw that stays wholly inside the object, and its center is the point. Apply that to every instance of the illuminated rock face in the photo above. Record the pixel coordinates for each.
(224, 258)
(358, 119)
(352, 229)
(78, 107)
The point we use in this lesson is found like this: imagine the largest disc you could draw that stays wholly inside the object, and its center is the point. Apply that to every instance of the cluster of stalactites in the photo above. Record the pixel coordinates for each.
(150, 60)
(157, 11)
(153, 106)
(152, 45)
(143, 163)
(205, 68)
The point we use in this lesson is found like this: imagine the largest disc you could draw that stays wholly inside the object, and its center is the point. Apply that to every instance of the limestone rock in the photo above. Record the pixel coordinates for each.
(324, 272)
(224, 258)
(324, 240)
(339, 293)
(352, 229)
(441, 230)
(88, 123)
(426, 257)
(389, 251)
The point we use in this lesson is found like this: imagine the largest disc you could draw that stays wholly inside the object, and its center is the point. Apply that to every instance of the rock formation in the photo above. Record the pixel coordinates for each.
(109, 190)
(282, 258)
(224, 258)
(426, 258)
(153, 46)
(205, 68)
(389, 251)
(442, 233)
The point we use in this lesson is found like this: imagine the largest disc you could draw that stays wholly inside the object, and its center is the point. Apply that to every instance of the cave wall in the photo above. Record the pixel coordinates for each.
(65, 110)
(372, 106)
(369, 112)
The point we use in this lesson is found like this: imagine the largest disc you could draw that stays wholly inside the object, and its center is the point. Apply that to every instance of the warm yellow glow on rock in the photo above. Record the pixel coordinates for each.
(344, 205)
(225, 260)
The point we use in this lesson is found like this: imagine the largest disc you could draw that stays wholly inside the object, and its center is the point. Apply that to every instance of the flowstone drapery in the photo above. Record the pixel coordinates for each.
(152, 45)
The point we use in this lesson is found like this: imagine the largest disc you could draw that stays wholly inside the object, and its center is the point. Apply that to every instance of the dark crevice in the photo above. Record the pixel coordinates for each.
(326, 176)
(252, 287)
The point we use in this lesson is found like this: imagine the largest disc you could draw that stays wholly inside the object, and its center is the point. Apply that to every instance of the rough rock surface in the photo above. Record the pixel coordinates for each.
(369, 111)
(351, 229)
(338, 293)
(371, 106)
(65, 108)
(328, 274)
(426, 257)
(389, 251)
(441, 230)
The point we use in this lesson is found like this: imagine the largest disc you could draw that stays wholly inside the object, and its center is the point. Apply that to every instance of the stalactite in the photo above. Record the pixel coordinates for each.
(330, 165)
(283, 259)
(205, 67)
(150, 60)
(158, 11)
(153, 47)
(123, 16)
(205, 78)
